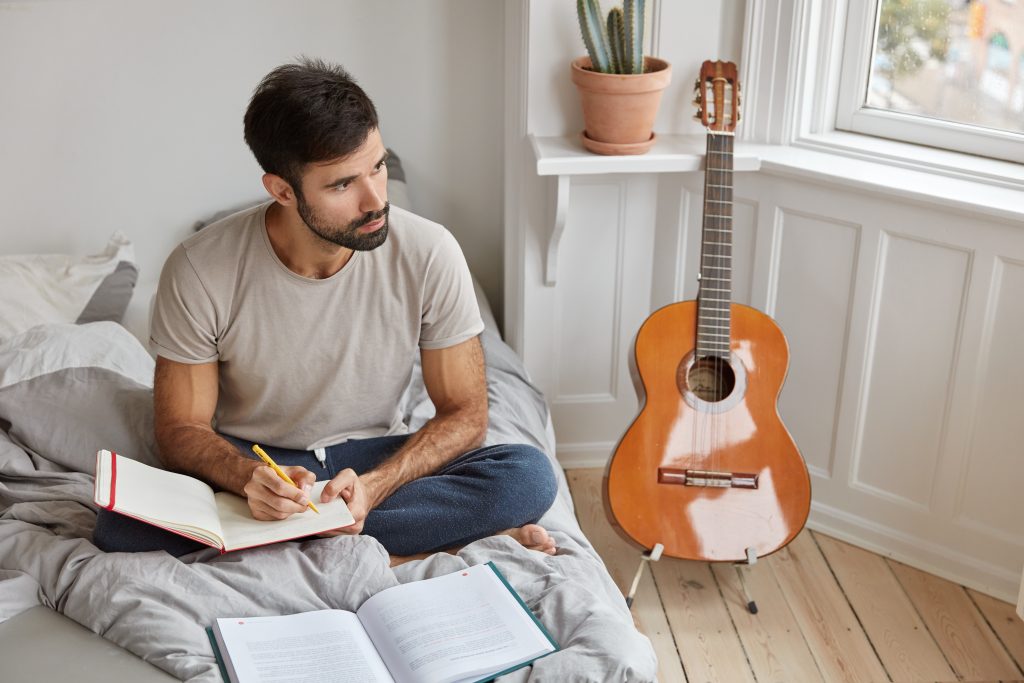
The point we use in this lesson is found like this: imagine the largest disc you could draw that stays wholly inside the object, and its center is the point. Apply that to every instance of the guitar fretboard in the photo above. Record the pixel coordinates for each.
(715, 292)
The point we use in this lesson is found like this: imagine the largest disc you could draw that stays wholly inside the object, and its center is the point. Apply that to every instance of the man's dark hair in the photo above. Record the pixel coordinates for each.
(304, 113)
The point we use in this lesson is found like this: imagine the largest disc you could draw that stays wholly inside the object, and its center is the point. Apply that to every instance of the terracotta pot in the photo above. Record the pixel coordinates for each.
(619, 109)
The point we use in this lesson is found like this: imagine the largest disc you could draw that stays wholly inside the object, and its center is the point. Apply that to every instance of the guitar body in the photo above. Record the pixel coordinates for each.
(709, 478)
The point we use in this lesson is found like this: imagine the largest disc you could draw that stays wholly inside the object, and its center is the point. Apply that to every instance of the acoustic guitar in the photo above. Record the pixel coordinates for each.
(707, 469)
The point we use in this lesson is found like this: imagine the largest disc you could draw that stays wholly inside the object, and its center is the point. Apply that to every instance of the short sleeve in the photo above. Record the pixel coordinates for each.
(450, 311)
(184, 320)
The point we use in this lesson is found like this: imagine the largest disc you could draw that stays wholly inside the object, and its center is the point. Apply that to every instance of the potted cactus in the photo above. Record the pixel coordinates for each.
(620, 88)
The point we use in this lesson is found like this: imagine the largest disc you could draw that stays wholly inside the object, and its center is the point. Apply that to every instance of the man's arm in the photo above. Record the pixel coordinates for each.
(456, 383)
(184, 400)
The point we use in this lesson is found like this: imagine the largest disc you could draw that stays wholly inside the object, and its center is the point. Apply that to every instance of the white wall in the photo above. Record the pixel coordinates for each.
(127, 114)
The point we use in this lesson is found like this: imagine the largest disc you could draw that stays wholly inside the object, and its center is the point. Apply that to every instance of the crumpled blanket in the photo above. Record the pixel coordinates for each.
(66, 391)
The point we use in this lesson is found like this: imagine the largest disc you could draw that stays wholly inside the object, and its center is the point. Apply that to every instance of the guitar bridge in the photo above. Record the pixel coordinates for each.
(707, 478)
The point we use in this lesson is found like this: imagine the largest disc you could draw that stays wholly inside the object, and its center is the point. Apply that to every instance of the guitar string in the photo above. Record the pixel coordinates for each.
(708, 420)
(726, 157)
(698, 415)
(720, 328)
(720, 173)
(714, 250)
(726, 183)
(697, 421)
(713, 221)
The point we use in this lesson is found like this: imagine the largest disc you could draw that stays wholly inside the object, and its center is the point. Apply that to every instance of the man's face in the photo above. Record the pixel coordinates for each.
(344, 201)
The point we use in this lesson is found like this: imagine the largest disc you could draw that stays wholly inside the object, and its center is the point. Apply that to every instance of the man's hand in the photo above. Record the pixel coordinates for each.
(271, 497)
(353, 491)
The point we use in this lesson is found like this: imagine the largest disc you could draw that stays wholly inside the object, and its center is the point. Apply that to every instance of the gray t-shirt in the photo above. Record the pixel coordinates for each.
(309, 363)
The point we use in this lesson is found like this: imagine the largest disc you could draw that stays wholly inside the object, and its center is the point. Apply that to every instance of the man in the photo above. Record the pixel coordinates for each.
(294, 325)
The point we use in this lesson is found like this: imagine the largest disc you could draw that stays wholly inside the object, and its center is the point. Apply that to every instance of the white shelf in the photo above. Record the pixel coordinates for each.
(565, 157)
(669, 154)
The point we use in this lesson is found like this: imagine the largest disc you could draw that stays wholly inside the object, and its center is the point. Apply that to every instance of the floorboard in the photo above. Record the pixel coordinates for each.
(902, 641)
(840, 647)
(970, 646)
(1003, 619)
(704, 632)
(772, 639)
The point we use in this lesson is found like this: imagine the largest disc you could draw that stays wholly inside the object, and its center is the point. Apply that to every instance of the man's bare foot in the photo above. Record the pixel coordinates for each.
(534, 537)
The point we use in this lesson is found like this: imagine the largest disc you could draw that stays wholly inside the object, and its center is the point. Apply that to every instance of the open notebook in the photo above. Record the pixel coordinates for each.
(469, 625)
(189, 507)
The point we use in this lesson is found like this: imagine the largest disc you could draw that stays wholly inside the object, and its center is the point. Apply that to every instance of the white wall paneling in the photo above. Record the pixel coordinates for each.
(899, 395)
(812, 299)
(987, 496)
(597, 305)
(918, 301)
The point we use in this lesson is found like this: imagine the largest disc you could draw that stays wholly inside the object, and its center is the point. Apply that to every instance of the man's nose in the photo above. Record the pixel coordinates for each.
(373, 198)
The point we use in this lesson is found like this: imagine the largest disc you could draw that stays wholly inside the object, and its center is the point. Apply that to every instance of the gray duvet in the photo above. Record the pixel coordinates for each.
(67, 391)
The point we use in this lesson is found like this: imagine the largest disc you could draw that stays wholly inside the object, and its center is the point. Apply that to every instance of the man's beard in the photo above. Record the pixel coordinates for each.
(348, 236)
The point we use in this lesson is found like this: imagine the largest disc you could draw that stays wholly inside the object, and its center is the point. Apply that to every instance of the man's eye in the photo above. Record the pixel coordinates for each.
(381, 166)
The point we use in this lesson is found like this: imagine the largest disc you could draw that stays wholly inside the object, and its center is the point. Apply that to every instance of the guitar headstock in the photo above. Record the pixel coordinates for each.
(717, 96)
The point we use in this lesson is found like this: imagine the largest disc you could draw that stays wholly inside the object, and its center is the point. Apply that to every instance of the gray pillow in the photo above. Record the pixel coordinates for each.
(111, 298)
(68, 391)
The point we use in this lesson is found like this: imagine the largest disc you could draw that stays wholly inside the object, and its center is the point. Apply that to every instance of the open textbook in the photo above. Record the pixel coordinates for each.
(189, 507)
(469, 625)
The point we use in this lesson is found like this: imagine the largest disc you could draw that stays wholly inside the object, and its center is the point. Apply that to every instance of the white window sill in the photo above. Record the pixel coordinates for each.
(917, 157)
(911, 172)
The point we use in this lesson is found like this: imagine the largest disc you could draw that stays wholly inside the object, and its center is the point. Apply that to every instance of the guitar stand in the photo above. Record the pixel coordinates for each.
(653, 555)
(750, 562)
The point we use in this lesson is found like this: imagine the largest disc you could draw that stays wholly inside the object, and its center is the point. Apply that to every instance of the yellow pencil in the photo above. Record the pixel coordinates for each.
(273, 465)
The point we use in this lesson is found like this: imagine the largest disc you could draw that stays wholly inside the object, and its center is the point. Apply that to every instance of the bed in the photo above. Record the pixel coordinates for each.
(67, 390)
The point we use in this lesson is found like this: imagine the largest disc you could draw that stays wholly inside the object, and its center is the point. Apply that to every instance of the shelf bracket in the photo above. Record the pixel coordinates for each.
(555, 236)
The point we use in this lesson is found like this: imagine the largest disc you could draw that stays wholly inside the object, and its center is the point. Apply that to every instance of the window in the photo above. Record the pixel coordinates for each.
(942, 73)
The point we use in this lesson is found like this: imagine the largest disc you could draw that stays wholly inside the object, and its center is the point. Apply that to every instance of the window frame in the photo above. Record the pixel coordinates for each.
(852, 116)
(796, 55)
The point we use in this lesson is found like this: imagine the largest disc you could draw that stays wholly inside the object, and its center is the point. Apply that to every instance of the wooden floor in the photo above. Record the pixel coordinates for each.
(827, 611)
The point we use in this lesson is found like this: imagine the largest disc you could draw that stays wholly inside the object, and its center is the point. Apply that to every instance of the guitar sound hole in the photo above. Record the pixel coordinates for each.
(711, 379)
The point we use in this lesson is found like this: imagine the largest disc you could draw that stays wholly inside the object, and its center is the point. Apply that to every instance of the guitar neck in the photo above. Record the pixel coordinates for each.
(715, 292)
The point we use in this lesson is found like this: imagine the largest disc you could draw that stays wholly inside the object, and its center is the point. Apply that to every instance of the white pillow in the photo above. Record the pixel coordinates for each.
(61, 288)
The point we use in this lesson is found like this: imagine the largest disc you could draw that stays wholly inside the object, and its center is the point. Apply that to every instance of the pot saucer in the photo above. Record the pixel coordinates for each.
(616, 148)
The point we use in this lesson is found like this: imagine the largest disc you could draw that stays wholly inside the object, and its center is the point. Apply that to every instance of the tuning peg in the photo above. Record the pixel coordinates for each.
(698, 97)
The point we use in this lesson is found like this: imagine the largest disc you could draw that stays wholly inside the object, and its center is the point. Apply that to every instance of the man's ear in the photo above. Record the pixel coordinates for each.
(279, 188)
